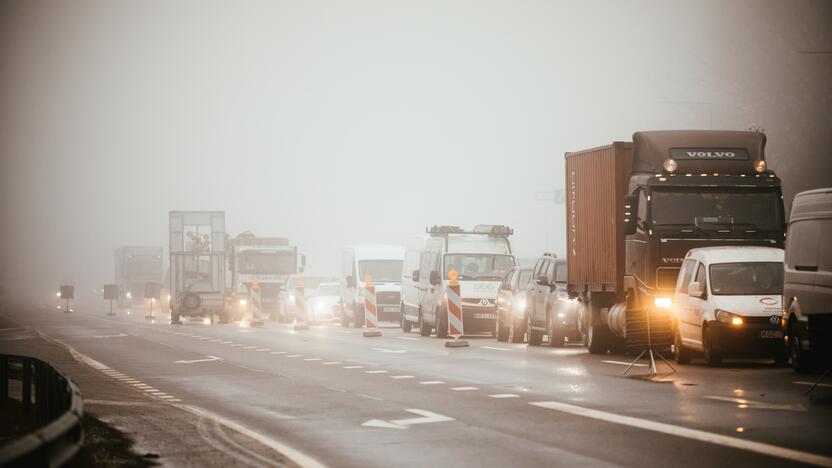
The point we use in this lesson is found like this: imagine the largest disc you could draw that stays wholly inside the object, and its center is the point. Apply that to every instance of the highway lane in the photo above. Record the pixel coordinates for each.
(501, 403)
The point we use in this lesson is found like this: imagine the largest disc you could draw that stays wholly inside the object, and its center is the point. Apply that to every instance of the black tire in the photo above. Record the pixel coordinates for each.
(516, 331)
(683, 354)
(345, 320)
(357, 317)
(501, 330)
(535, 336)
(424, 328)
(799, 357)
(712, 356)
(441, 325)
(406, 324)
(556, 337)
(175, 318)
(597, 338)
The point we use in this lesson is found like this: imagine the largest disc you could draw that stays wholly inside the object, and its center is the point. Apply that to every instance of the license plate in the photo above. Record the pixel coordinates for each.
(485, 316)
(771, 334)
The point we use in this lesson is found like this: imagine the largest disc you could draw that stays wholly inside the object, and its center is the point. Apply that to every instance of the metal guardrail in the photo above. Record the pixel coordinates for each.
(57, 406)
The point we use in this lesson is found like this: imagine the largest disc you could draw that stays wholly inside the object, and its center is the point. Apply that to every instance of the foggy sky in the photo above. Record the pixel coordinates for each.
(335, 122)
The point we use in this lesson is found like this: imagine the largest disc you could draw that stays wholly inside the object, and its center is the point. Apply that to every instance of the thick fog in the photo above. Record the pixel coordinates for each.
(336, 122)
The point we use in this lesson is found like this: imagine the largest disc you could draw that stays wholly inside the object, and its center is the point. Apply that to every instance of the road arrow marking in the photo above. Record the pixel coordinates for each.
(426, 417)
(392, 351)
(193, 361)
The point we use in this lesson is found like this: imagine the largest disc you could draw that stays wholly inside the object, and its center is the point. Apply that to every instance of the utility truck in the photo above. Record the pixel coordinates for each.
(197, 265)
(635, 209)
(267, 260)
(135, 266)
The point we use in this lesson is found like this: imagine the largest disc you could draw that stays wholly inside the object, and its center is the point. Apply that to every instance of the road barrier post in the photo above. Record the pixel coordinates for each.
(255, 304)
(455, 326)
(302, 318)
(370, 308)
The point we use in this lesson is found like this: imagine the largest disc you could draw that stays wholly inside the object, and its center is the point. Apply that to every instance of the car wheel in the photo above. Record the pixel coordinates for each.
(712, 357)
(682, 354)
(535, 336)
(424, 328)
(556, 337)
(516, 331)
(441, 326)
(358, 317)
(500, 330)
(799, 358)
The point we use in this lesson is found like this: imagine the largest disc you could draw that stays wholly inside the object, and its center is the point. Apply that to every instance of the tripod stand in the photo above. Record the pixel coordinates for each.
(648, 349)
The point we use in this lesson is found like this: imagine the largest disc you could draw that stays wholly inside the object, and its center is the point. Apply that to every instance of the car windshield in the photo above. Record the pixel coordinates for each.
(268, 263)
(328, 290)
(481, 267)
(747, 279)
(382, 271)
(758, 211)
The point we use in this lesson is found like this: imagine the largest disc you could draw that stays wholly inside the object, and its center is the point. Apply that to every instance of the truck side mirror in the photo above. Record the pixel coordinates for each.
(543, 280)
(350, 281)
(415, 275)
(434, 278)
(695, 290)
(630, 214)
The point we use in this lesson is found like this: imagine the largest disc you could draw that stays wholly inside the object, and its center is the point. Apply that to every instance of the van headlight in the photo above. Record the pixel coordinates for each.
(663, 302)
(728, 317)
(243, 302)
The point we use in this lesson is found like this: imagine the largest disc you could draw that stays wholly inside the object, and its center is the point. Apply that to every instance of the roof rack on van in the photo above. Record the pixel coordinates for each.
(486, 229)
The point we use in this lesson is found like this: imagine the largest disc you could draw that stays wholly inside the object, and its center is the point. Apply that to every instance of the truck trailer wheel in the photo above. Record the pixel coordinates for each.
(597, 338)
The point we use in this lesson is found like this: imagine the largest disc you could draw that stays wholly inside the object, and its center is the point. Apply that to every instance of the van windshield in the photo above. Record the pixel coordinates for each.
(382, 271)
(758, 211)
(747, 279)
(478, 267)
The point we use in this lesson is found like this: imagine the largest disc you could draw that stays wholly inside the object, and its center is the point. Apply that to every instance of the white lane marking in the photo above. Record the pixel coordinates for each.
(744, 403)
(249, 347)
(215, 340)
(495, 348)
(234, 345)
(504, 395)
(390, 351)
(193, 361)
(801, 382)
(120, 335)
(149, 390)
(131, 381)
(426, 417)
(174, 400)
(330, 363)
(431, 382)
(312, 359)
(379, 371)
(625, 363)
(408, 338)
(225, 342)
(464, 389)
(141, 385)
(694, 434)
(263, 349)
(401, 377)
(353, 367)
(296, 456)
(204, 338)
(278, 352)
(295, 355)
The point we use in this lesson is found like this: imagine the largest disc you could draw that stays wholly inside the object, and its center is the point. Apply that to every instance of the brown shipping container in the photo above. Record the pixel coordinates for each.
(596, 183)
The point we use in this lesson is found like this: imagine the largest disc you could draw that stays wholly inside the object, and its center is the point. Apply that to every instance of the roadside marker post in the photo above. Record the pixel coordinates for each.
(370, 308)
(152, 291)
(110, 293)
(455, 327)
(67, 293)
(301, 320)
(255, 304)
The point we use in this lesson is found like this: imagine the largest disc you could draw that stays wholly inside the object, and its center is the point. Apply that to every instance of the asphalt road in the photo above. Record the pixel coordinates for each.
(329, 395)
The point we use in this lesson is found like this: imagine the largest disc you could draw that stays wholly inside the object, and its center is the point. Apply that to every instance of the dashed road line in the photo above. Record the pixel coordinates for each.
(495, 348)
(401, 377)
(295, 355)
(504, 395)
(464, 389)
(225, 342)
(408, 338)
(353, 367)
(235, 345)
(378, 371)
(249, 347)
(312, 359)
(263, 350)
(331, 363)
(801, 382)
(278, 352)
(431, 382)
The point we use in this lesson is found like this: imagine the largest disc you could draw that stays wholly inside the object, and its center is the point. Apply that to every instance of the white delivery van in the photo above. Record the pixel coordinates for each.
(728, 303)
(384, 264)
(410, 281)
(481, 257)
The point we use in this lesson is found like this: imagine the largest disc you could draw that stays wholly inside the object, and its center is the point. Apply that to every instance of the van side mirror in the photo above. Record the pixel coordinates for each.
(415, 275)
(434, 278)
(350, 281)
(543, 280)
(695, 290)
(630, 214)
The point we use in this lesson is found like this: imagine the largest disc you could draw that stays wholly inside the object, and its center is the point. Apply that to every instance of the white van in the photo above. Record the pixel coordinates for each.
(384, 264)
(481, 257)
(410, 285)
(728, 303)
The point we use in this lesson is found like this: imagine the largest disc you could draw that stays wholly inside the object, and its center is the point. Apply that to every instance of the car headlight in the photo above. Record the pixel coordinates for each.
(291, 298)
(663, 302)
(319, 306)
(129, 295)
(243, 302)
(728, 317)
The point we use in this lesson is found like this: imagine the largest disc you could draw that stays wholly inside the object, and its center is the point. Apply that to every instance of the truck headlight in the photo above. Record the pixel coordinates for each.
(760, 165)
(670, 165)
(728, 317)
(663, 302)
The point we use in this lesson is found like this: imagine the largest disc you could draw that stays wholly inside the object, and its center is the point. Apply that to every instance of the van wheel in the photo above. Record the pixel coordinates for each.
(406, 324)
(712, 357)
(682, 354)
(424, 328)
(535, 336)
(556, 337)
(441, 326)
(799, 358)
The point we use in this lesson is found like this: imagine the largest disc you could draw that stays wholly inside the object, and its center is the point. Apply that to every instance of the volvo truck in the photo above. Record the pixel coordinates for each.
(135, 266)
(633, 211)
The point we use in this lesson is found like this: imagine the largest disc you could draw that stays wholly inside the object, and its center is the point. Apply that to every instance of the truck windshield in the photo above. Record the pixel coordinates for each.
(757, 211)
(382, 271)
(149, 267)
(482, 267)
(266, 263)
(328, 290)
(747, 279)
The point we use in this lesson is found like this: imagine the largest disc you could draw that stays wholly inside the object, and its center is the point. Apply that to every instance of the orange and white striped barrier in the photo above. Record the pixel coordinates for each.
(455, 326)
(301, 318)
(255, 305)
(370, 308)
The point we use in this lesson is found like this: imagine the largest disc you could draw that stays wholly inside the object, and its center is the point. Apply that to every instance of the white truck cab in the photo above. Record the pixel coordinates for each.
(481, 257)
(383, 263)
(728, 303)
